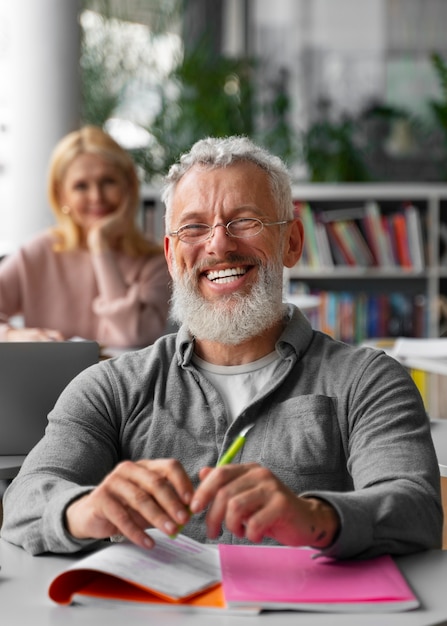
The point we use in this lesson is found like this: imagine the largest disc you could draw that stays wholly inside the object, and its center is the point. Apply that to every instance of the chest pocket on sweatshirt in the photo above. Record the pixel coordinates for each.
(303, 436)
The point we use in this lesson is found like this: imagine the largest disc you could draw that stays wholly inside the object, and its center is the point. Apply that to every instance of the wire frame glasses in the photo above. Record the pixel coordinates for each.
(241, 228)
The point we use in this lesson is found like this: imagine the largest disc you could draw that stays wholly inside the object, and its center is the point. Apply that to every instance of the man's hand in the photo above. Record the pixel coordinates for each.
(254, 504)
(133, 497)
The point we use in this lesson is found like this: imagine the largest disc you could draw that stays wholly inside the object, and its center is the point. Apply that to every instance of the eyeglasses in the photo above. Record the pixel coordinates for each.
(242, 228)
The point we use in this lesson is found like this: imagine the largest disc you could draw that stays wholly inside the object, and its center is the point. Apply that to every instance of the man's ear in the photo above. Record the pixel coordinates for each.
(168, 253)
(294, 243)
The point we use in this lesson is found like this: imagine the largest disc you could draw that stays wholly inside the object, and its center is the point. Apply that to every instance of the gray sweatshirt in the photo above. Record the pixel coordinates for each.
(343, 423)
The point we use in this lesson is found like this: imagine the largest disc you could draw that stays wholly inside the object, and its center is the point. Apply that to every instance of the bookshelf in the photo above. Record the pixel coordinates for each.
(364, 283)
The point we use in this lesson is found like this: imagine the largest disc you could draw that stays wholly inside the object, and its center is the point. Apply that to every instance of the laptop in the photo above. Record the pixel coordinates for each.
(32, 376)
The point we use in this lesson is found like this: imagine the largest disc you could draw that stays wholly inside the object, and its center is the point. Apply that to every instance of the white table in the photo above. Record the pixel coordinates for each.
(24, 582)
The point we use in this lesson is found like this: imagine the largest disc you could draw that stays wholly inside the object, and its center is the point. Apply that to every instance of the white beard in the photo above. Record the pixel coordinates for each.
(234, 318)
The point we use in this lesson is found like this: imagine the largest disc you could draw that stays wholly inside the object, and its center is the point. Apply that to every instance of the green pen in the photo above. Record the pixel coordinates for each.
(237, 444)
(227, 457)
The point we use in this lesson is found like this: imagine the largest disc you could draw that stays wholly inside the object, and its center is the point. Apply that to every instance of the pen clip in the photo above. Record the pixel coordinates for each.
(245, 430)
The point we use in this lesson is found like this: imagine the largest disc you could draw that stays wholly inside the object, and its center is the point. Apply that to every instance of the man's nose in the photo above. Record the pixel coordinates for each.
(224, 226)
(220, 239)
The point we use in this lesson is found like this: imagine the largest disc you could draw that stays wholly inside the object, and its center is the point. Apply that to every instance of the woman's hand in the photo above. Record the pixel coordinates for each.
(33, 334)
(107, 231)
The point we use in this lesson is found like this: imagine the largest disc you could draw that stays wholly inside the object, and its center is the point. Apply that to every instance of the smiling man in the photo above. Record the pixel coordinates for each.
(226, 257)
(338, 455)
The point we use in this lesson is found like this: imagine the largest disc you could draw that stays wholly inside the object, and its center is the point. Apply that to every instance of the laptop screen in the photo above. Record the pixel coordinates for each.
(32, 376)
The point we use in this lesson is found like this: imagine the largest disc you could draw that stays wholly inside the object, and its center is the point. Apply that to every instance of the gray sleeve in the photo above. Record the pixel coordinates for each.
(395, 506)
(80, 426)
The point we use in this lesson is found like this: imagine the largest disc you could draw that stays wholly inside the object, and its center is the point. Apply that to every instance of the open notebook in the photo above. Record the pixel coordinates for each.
(189, 576)
(32, 375)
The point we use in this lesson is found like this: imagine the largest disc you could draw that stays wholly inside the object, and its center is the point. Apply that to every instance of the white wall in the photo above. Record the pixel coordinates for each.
(41, 104)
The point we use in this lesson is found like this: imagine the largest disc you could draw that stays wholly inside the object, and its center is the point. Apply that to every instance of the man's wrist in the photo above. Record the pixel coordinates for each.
(70, 516)
(325, 523)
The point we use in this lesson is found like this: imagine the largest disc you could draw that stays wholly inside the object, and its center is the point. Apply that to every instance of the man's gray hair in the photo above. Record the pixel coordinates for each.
(215, 152)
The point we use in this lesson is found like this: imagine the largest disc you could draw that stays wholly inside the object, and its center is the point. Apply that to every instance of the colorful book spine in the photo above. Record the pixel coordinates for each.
(359, 247)
(401, 238)
(376, 236)
(415, 237)
(311, 251)
(343, 253)
(356, 317)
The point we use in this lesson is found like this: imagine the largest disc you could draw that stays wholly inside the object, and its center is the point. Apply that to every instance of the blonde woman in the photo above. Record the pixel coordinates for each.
(94, 274)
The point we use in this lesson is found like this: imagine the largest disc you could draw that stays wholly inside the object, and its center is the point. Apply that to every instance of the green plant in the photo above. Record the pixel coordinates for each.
(439, 107)
(277, 133)
(203, 96)
(330, 151)
(214, 96)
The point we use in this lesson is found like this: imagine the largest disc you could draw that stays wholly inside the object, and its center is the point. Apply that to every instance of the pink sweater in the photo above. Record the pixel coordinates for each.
(85, 295)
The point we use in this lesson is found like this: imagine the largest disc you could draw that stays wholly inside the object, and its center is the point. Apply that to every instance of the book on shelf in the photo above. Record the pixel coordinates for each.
(326, 258)
(355, 316)
(352, 239)
(362, 237)
(361, 249)
(329, 319)
(402, 240)
(184, 574)
(376, 236)
(339, 245)
(415, 236)
(311, 253)
(346, 315)
(388, 227)
(377, 315)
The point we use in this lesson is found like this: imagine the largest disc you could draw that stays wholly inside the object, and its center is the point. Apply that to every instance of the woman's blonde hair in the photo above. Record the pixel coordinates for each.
(93, 140)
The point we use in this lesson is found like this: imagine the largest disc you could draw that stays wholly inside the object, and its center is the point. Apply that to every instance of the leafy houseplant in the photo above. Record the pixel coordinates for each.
(439, 107)
(204, 96)
(330, 150)
(214, 96)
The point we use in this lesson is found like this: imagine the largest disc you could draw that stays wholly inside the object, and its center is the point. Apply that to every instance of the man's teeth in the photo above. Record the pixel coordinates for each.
(226, 276)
